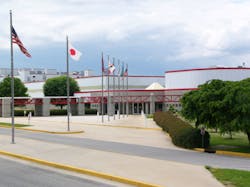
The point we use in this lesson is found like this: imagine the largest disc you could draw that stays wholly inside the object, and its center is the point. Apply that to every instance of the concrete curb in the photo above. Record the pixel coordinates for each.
(129, 127)
(229, 153)
(105, 125)
(45, 131)
(122, 126)
(51, 132)
(79, 170)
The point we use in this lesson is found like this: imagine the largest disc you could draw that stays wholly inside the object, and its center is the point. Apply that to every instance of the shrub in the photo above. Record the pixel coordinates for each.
(22, 112)
(90, 111)
(53, 112)
(181, 132)
(58, 112)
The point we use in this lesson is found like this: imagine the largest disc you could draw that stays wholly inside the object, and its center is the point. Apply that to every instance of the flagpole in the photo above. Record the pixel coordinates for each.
(67, 61)
(108, 93)
(102, 86)
(114, 89)
(123, 94)
(119, 96)
(127, 91)
(12, 83)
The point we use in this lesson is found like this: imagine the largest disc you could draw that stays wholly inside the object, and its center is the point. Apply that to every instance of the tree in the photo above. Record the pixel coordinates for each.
(239, 102)
(58, 86)
(223, 109)
(207, 106)
(19, 89)
(172, 109)
(190, 106)
(221, 104)
(212, 94)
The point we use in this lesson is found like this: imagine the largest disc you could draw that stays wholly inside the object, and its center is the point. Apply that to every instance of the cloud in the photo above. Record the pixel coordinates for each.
(168, 30)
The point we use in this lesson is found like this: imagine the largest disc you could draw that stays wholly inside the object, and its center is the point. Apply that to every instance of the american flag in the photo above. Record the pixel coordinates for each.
(16, 40)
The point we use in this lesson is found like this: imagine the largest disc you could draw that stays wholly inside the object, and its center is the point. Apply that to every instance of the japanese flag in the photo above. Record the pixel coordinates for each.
(74, 53)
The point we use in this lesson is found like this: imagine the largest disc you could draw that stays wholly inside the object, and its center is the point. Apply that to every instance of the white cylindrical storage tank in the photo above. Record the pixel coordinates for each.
(192, 78)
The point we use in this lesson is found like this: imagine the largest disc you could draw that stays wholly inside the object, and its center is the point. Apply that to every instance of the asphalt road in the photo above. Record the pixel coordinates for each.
(16, 174)
(184, 156)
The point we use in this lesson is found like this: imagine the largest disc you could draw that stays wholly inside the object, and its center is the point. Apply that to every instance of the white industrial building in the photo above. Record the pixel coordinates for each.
(192, 78)
(94, 83)
(147, 93)
(29, 74)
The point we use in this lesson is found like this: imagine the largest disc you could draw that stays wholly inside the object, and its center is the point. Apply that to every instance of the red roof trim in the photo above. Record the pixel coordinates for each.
(155, 76)
(163, 90)
(81, 77)
(180, 89)
(204, 69)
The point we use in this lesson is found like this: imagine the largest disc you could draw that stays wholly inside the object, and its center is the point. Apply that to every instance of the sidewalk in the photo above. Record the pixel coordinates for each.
(153, 171)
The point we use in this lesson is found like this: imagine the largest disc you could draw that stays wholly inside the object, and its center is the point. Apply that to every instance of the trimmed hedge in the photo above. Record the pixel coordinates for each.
(181, 132)
(54, 112)
(58, 112)
(21, 112)
(90, 111)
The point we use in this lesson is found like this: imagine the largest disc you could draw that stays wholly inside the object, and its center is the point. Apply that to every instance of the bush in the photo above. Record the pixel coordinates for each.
(181, 132)
(22, 112)
(90, 111)
(54, 112)
(58, 112)
(63, 112)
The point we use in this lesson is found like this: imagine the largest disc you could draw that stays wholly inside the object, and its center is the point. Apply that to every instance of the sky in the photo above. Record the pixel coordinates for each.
(151, 36)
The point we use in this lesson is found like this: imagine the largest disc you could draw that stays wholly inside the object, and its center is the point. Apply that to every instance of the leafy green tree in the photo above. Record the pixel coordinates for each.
(190, 106)
(58, 86)
(199, 105)
(238, 100)
(207, 106)
(172, 109)
(212, 94)
(223, 109)
(19, 89)
(221, 104)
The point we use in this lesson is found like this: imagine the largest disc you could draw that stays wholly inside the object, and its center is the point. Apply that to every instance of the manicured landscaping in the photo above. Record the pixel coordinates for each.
(23, 112)
(16, 125)
(221, 105)
(181, 132)
(239, 142)
(231, 177)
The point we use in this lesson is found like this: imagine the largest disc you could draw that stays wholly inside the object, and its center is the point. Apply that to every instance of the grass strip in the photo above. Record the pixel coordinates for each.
(239, 142)
(231, 177)
(16, 125)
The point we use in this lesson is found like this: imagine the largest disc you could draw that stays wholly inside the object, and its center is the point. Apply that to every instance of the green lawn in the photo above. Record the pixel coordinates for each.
(239, 143)
(16, 125)
(231, 177)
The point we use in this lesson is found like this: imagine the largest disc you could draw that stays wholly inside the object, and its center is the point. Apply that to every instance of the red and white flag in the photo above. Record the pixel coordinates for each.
(111, 68)
(74, 53)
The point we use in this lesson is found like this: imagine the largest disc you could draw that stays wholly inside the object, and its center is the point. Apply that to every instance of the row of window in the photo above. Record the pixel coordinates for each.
(167, 105)
(175, 105)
